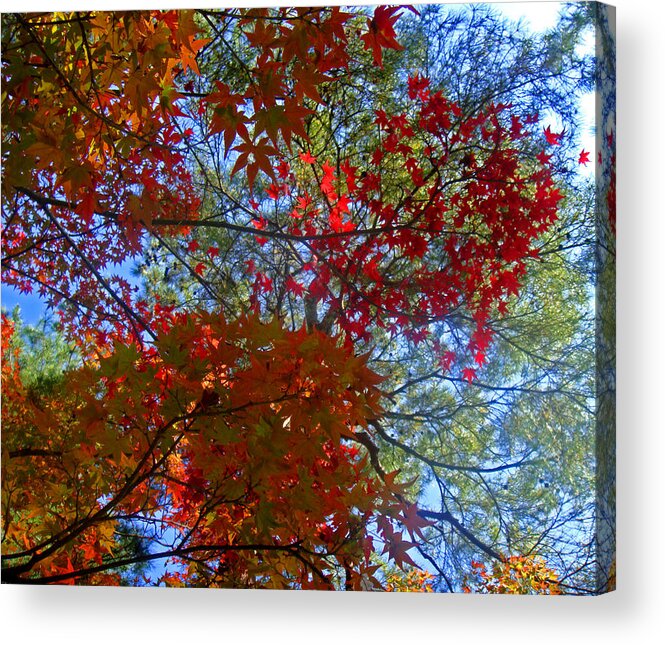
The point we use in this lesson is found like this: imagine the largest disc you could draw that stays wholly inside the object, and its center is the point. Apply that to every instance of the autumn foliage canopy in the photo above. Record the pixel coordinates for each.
(241, 432)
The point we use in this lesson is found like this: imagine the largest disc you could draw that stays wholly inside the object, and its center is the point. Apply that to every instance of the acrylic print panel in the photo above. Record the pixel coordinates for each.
(325, 298)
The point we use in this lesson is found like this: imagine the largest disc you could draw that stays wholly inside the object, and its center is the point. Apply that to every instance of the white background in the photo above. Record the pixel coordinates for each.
(633, 614)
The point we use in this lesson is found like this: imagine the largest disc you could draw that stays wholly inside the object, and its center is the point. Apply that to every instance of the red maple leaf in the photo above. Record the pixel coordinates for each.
(447, 360)
(381, 33)
(256, 156)
(414, 522)
(350, 172)
(480, 358)
(553, 138)
(307, 157)
(227, 117)
(273, 191)
(418, 86)
(326, 184)
(469, 374)
(516, 127)
(283, 169)
(294, 287)
(87, 204)
(584, 157)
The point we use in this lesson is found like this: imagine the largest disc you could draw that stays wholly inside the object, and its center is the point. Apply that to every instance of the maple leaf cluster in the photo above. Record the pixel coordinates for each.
(244, 431)
(297, 50)
(92, 151)
(95, 103)
(406, 261)
(514, 575)
(414, 580)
